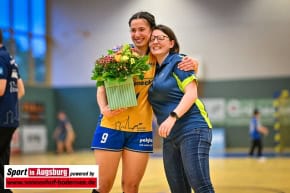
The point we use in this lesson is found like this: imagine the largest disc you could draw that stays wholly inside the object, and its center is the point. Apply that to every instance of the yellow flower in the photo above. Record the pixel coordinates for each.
(124, 58)
(118, 57)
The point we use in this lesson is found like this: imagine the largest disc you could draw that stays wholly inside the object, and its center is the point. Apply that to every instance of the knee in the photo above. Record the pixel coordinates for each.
(130, 187)
(105, 187)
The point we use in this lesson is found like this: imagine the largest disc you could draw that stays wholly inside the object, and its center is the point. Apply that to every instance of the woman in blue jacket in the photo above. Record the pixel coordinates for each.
(183, 120)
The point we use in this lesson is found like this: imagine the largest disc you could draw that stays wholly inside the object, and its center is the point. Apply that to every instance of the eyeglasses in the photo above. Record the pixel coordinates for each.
(159, 38)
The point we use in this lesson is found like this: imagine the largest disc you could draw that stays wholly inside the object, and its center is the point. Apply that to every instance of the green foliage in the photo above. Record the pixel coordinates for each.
(118, 64)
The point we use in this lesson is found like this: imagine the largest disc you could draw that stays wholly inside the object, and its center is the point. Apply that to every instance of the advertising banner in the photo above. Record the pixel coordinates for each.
(51, 176)
(238, 112)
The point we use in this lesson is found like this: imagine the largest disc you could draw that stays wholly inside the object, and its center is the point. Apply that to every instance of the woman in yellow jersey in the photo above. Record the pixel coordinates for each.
(127, 133)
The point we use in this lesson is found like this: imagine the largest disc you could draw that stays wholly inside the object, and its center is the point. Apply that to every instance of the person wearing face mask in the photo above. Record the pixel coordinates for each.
(183, 121)
(126, 134)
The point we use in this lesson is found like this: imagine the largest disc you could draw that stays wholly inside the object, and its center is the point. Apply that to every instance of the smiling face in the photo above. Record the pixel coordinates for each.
(140, 31)
(160, 45)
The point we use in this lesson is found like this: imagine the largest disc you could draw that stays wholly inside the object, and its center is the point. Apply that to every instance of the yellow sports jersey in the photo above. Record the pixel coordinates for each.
(138, 118)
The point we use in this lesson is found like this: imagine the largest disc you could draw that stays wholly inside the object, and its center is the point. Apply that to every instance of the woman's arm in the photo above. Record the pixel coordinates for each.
(3, 83)
(188, 64)
(21, 89)
(102, 99)
(188, 99)
(103, 103)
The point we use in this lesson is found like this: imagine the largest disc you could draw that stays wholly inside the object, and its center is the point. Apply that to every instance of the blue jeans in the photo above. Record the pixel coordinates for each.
(186, 161)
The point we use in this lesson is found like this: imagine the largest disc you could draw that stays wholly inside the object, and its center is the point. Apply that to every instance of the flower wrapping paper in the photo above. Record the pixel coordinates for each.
(120, 94)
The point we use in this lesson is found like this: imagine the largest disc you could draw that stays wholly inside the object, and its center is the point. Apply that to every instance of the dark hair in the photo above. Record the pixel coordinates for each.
(256, 111)
(1, 36)
(144, 15)
(169, 32)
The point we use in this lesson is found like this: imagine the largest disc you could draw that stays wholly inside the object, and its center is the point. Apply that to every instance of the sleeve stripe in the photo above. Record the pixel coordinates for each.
(199, 104)
(203, 112)
(182, 84)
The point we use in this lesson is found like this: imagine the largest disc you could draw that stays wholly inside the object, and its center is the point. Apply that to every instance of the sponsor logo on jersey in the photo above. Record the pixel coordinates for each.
(143, 82)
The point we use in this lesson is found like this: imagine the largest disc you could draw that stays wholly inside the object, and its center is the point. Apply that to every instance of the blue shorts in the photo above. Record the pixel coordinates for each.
(115, 140)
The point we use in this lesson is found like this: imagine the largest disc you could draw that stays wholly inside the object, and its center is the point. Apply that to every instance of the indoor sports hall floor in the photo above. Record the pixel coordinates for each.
(233, 173)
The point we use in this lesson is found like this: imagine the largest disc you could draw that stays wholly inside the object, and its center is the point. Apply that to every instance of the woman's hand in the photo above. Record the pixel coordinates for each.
(188, 64)
(165, 127)
(106, 111)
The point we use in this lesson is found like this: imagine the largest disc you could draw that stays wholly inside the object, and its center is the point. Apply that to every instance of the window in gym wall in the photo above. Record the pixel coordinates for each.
(24, 25)
(4, 13)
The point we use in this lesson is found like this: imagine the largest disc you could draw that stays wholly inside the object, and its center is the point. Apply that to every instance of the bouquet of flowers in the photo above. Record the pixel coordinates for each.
(116, 71)
(119, 64)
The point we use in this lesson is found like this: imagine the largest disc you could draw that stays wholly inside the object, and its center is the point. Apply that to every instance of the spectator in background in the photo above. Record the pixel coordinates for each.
(257, 130)
(11, 90)
(64, 134)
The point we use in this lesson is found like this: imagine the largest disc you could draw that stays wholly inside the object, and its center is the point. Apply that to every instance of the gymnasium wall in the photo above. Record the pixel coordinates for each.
(257, 90)
(37, 96)
(81, 107)
(241, 39)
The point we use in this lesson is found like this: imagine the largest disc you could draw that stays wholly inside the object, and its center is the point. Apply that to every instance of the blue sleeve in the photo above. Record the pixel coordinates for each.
(183, 78)
(182, 75)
